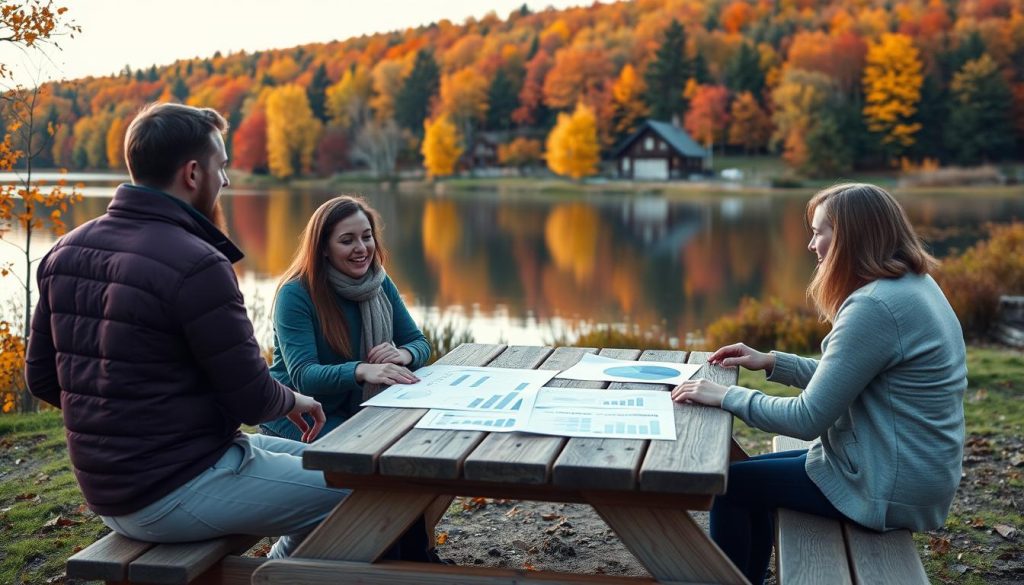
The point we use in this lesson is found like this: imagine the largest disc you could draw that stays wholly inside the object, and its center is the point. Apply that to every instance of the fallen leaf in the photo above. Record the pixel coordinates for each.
(25, 496)
(529, 567)
(442, 537)
(512, 513)
(977, 523)
(18, 461)
(42, 477)
(59, 521)
(1017, 461)
(1005, 531)
(550, 517)
(939, 546)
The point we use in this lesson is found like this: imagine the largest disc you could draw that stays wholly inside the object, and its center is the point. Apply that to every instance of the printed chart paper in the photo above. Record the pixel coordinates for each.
(467, 388)
(573, 412)
(603, 369)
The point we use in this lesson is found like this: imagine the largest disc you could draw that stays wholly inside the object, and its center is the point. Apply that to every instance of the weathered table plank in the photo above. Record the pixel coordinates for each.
(698, 460)
(107, 559)
(523, 457)
(440, 454)
(592, 463)
(355, 446)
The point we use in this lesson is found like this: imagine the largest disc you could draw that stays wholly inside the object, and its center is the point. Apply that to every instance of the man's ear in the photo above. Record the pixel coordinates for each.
(190, 174)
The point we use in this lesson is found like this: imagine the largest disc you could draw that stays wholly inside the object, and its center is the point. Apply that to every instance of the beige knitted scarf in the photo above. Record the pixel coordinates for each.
(374, 308)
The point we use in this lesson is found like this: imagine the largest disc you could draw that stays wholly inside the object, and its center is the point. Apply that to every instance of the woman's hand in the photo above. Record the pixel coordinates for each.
(386, 374)
(387, 353)
(739, 354)
(700, 391)
(306, 405)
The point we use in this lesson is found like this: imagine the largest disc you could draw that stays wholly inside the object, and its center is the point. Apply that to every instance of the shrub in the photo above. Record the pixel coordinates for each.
(974, 280)
(769, 325)
(604, 337)
(444, 338)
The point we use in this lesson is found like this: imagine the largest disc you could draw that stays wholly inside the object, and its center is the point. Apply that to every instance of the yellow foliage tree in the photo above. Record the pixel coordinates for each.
(348, 101)
(572, 146)
(115, 143)
(441, 147)
(292, 131)
(892, 89)
(387, 81)
(628, 97)
(751, 128)
(463, 98)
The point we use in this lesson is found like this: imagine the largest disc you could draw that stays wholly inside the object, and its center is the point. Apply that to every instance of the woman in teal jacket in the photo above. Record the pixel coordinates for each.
(341, 329)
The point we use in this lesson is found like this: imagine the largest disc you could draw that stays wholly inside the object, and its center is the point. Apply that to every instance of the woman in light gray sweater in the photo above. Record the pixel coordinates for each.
(884, 403)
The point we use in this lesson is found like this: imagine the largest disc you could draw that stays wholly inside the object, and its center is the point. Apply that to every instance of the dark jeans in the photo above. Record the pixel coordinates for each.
(743, 519)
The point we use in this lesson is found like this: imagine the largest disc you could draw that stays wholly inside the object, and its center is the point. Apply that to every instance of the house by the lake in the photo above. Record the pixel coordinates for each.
(658, 151)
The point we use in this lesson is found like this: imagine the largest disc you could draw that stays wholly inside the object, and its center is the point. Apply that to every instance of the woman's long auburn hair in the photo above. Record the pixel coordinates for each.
(871, 239)
(310, 264)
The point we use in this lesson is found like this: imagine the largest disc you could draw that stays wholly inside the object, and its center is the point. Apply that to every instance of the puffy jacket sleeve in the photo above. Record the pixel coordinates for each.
(406, 333)
(212, 315)
(41, 356)
(296, 324)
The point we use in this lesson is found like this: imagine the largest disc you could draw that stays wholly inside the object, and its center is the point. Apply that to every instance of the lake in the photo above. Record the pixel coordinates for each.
(528, 269)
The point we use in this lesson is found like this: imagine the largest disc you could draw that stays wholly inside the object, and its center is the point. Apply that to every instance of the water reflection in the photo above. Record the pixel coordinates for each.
(521, 268)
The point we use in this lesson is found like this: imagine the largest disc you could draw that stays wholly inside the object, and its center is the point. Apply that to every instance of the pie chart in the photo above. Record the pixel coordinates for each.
(642, 372)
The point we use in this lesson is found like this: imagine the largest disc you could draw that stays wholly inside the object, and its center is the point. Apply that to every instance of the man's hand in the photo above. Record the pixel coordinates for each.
(306, 405)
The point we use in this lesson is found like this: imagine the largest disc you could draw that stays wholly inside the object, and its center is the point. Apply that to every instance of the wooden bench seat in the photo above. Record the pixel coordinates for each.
(812, 549)
(117, 559)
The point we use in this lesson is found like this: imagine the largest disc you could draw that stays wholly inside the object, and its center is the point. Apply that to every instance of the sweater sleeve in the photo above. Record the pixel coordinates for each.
(406, 333)
(792, 370)
(864, 342)
(219, 334)
(41, 356)
(296, 324)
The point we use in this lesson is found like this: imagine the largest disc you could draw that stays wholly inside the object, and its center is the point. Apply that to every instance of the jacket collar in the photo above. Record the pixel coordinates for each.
(140, 202)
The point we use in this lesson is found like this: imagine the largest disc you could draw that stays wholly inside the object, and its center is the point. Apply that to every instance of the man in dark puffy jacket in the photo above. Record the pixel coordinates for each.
(140, 336)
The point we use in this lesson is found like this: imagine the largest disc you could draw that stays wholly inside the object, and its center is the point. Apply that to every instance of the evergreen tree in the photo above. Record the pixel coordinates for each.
(503, 97)
(932, 114)
(744, 71)
(699, 70)
(316, 93)
(979, 126)
(412, 103)
(179, 90)
(152, 74)
(666, 76)
(139, 75)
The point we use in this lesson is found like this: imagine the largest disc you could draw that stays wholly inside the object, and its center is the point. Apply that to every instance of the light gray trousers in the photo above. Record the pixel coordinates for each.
(257, 487)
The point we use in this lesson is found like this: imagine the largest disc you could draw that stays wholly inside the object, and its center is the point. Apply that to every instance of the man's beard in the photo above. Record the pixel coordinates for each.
(216, 216)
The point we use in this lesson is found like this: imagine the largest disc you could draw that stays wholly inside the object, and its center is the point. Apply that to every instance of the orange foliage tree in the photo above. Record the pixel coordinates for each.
(27, 204)
(708, 116)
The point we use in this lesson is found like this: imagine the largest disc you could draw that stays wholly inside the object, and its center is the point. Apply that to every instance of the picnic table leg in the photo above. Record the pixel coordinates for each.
(432, 515)
(364, 525)
(670, 545)
(737, 453)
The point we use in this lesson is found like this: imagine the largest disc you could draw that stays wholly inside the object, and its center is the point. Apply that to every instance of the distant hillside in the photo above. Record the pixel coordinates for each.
(832, 85)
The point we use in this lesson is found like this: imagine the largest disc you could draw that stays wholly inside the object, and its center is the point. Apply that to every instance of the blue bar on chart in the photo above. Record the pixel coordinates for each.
(460, 379)
(508, 398)
(517, 405)
(490, 401)
(654, 427)
(476, 403)
(480, 381)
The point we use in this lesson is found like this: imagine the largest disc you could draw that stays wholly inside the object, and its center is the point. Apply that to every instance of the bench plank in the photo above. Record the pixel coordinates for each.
(889, 557)
(180, 563)
(432, 453)
(592, 463)
(688, 465)
(809, 549)
(356, 446)
(107, 559)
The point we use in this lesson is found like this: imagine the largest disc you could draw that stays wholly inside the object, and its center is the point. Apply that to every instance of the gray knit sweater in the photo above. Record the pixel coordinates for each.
(886, 400)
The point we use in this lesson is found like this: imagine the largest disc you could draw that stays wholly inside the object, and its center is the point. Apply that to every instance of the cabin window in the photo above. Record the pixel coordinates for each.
(648, 143)
(626, 163)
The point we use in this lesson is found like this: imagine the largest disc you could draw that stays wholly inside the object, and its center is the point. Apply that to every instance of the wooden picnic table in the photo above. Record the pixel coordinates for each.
(643, 489)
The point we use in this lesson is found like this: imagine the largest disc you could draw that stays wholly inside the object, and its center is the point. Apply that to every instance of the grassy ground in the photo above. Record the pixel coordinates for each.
(43, 521)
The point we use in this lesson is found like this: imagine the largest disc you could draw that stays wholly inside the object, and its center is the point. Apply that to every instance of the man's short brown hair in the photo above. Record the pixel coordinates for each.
(165, 136)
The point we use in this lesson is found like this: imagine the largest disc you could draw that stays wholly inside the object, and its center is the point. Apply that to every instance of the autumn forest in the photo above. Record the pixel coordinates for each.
(831, 86)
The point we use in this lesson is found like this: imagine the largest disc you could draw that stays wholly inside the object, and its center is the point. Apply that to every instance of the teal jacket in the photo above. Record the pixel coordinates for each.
(305, 362)
(885, 403)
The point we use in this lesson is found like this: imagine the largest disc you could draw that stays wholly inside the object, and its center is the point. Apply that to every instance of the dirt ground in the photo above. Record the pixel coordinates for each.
(569, 538)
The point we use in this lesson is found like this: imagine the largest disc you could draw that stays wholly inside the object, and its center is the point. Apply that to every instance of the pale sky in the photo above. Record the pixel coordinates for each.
(141, 33)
